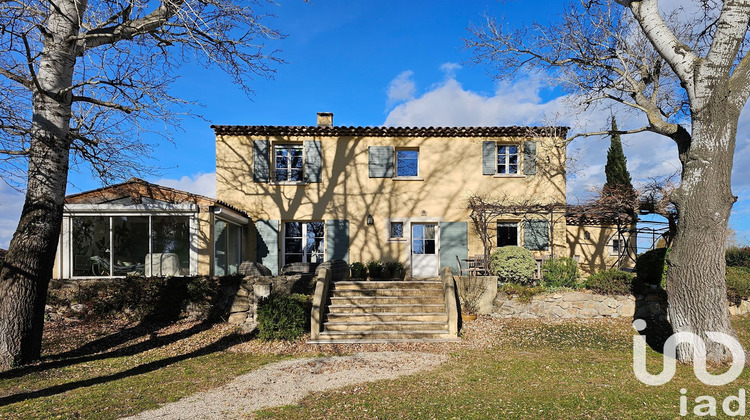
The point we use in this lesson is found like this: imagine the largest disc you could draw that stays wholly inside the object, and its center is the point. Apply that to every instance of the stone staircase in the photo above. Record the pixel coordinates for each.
(385, 311)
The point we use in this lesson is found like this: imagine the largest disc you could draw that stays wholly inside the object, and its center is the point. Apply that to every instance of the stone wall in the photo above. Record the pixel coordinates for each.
(584, 304)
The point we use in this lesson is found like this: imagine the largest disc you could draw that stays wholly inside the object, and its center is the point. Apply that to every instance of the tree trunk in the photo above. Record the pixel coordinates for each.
(25, 275)
(696, 282)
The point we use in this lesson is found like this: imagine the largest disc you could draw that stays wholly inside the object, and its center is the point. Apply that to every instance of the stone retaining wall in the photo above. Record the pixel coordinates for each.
(584, 304)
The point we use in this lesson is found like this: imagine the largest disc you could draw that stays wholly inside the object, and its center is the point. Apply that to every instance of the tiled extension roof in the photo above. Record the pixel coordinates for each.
(341, 131)
(137, 188)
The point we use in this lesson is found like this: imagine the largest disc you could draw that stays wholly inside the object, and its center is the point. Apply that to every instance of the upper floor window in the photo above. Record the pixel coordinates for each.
(288, 162)
(507, 159)
(407, 162)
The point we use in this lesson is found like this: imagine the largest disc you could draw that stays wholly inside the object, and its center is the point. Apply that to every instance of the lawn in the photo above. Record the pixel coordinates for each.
(528, 369)
(502, 369)
(104, 371)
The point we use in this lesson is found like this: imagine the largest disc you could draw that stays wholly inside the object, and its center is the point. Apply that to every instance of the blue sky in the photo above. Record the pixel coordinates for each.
(392, 63)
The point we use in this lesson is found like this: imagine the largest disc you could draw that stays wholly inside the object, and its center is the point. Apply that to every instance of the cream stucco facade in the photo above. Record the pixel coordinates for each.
(452, 164)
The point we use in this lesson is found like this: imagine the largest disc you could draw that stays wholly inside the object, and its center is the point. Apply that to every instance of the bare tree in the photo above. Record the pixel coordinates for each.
(689, 75)
(81, 80)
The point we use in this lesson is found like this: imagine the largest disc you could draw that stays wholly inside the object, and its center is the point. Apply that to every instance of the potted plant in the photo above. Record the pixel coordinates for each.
(375, 270)
(394, 270)
(470, 291)
(359, 271)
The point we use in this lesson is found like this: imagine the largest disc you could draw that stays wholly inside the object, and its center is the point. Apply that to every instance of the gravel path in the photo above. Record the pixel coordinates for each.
(289, 381)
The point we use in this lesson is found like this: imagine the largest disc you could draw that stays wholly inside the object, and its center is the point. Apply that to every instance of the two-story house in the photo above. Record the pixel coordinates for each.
(316, 193)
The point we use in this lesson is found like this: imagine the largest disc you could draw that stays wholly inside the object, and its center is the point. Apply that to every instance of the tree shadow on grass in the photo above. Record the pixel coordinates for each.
(218, 346)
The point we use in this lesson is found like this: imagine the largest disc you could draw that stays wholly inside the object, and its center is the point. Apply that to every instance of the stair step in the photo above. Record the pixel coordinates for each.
(409, 284)
(360, 336)
(387, 292)
(387, 300)
(387, 316)
(385, 326)
(389, 308)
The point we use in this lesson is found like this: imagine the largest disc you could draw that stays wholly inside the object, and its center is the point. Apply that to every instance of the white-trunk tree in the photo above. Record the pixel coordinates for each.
(79, 83)
(689, 74)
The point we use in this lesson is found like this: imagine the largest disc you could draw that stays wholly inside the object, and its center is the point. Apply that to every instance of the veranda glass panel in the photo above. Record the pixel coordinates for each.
(131, 244)
(171, 235)
(220, 248)
(233, 248)
(90, 246)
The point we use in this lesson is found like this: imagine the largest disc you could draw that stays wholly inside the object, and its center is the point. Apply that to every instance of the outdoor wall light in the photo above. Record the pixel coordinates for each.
(369, 220)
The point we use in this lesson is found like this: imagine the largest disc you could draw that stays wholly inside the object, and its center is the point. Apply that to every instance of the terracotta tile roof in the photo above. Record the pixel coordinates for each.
(136, 188)
(341, 131)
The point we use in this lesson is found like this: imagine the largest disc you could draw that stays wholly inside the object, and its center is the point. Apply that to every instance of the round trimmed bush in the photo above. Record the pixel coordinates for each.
(611, 282)
(560, 272)
(513, 264)
(283, 317)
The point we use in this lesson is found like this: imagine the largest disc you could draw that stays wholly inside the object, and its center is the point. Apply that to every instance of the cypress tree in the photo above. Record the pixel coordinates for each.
(616, 169)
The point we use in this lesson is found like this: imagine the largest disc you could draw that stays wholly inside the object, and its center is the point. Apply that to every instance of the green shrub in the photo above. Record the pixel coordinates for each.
(738, 284)
(283, 317)
(375, 269)
(524, 293)
(738, 257)
(513, 264)
(611, 282)
(393, 269)
(359, 271)
(651, 267)
(560, 272)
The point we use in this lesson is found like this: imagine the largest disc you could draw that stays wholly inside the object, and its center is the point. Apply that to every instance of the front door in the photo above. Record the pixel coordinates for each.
(425, 261)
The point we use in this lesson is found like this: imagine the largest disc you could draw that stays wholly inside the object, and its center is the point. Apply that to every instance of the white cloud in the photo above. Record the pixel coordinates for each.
(11, 203)
(200, 183)
(402, 88)
(450, 69)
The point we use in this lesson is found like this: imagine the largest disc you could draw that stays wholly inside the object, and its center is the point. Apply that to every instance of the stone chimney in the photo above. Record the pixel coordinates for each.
(325, 119)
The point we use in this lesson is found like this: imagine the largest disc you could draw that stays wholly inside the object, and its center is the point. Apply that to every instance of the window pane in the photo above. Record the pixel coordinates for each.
(429, 246)
(429, 232)
(407, 163)
(296, 175)
(397, 230)
(507, 234)
(292, 258)
(220, 248)
(171, 234)
(417, 246)
(90, 246)
(417, 231)
(293, 245)
(318, 228)
(293, 230)
(131, 244)
(513, 149)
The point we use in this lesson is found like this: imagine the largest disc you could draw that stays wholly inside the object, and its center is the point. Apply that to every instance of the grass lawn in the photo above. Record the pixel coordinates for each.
(528, 370)
(103, 371)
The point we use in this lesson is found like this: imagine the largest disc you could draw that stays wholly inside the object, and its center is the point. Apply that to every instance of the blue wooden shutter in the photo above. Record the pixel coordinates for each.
(337, 240)
(489, 158)
(529, 158)
(380, 161)
(261, 161)
(536, 234)
(267, 244)
(313, 161)
(454, 242)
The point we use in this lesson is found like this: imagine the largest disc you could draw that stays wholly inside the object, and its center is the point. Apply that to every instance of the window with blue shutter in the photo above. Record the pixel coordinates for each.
(536, 234)
(268, 244)
(261, 161)
(337, 240)
(529, 158)
(380, 161)
(313, 161)
(454, 242)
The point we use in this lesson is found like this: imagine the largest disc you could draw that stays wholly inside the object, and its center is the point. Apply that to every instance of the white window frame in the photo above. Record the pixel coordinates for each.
(305, 255)
(506, 160)
(389, 232)
(616, 251)
(509, 223)
(289, 168)
(396, 169)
